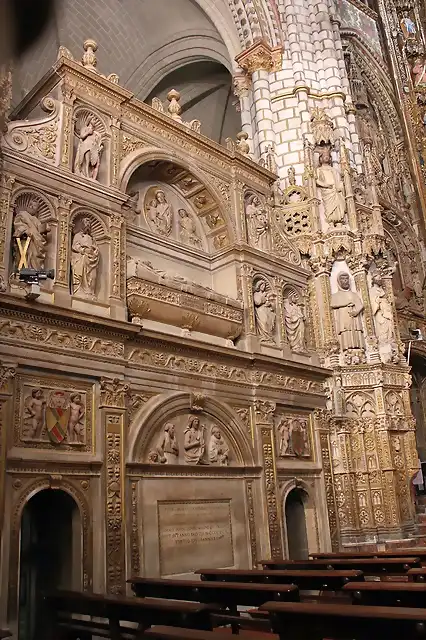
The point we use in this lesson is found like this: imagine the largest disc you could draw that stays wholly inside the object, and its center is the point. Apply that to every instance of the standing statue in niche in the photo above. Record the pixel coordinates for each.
(258, 223)
(408, 27)
(194, 442)
(84, 261)
(330, 186)
(218, 449)
(35, 413)
(168, 448)
(264, 308)
(348, 307)
(419, 72)
(188, 229)
(27, 226)
(89, 150)
(382, 311)
(160, 213)
(75, 422)
(294, 319)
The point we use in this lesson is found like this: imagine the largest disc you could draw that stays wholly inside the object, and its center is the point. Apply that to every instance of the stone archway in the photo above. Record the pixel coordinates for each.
(296, 525)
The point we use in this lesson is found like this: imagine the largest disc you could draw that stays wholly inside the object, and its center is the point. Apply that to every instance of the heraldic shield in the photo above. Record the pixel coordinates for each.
(57, 416)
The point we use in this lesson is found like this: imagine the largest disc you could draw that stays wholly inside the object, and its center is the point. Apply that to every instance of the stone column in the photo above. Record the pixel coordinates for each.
(259, 61)
(113, 405)
(264, 417)
(242, 86)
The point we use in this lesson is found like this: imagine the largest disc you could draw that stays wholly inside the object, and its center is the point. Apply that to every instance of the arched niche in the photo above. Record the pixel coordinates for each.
(300, 519)
(148, 427)
(210, 228)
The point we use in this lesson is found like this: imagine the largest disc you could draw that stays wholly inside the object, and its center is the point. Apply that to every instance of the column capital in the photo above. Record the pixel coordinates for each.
(260, 56)
(114, 393)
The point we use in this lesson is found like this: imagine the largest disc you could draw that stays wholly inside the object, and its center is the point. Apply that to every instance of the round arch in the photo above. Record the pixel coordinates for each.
(310, 512)
(163, 407)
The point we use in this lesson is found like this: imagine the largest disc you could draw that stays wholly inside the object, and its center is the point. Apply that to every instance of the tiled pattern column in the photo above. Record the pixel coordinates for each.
(259, 61)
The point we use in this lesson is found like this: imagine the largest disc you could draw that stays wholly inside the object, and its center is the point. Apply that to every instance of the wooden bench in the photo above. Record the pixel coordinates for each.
(417, 575)
(229, 595)
(171, 633)
(5, 633)
(300, 621)
(369, 566)
(61, 606)
(312, 580)
(387, 594)
(418, 552)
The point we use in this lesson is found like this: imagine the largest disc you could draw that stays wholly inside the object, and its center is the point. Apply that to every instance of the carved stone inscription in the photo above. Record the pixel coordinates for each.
(194, 534)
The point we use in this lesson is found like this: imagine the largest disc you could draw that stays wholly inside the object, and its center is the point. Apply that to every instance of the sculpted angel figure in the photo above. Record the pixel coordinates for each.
(382, 311)
(84, 260)
(218, 449)
(258, 222)
(188, 230)
(348, 308)
(264, 307)
(167, 447)
(194, 442)
(75, 421)
(26, 224)
(160, 213)
(294, 322)
(89, 150)
(35, 407)
(330, 187)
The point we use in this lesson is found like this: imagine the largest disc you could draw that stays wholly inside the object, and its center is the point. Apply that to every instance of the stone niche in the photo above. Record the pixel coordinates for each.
(192, 523)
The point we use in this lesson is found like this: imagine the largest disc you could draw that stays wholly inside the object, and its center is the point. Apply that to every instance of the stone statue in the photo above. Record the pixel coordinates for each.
(382, 311)
(35, 407)
(89, 150)
(293, 437)
(188, 229)
(348, 307)
(284, 429)
(419, 72)
(218, 449)
(84, 261)
(160, 213)
(168, 448)
(294, 322)
(26, 225)
(330, 187)
(264, 307)
(258, 223)
(75, 421)
(408, 27)
(194, 442)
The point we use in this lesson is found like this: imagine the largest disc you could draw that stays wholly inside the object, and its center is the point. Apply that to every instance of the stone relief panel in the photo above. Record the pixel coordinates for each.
(51, 414)
(265, 309)
(292, 434)
(89, 144)
(257, 217)
(194, 439)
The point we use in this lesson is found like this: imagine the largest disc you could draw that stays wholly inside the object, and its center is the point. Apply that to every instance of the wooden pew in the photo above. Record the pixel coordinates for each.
(300, 621)
(418, 552)
(171, 633)
(369, 566)
(5, 633)
(387, 594)
(62, 605)
(229, 594)
(316, 580)
(417, 575)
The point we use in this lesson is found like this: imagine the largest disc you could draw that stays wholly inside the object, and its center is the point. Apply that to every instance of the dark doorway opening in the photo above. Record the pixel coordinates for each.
(295, 516)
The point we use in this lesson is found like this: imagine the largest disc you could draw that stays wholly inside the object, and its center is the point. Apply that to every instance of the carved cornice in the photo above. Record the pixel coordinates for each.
(260, 56)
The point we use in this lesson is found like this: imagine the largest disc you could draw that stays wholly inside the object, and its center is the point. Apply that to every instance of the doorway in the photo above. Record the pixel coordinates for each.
(295, 517)
(50, 554)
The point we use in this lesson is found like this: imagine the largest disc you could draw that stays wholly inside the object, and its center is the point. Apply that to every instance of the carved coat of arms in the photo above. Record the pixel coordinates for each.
(57, 416)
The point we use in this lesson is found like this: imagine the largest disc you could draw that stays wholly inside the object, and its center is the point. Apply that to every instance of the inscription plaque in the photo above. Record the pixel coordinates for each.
(194, 534)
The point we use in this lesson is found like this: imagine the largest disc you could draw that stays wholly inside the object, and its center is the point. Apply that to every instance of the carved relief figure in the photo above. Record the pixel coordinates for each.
(264, 308)
(35, 407)
(408, 27)
(382, 311)
(218, 449)
(258, 223)
(294, 322)
(26, 225)
(76, 423)
(188, 229)
(419, 72)
(194, 442)
(84, 261)
(348, 307)
(330, 187)
(160, 213)
(89, 150)
(293, 437)
(168, 448)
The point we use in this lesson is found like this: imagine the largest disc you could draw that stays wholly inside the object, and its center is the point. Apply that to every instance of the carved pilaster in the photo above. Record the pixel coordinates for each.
(264, 414)
(69, 97)
(115, 151)
(64, 207)
(117, 256)
(7, 375)
(322, 427)
(7, 183)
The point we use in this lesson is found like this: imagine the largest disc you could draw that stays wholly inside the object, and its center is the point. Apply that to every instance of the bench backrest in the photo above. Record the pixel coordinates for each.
(304, 579)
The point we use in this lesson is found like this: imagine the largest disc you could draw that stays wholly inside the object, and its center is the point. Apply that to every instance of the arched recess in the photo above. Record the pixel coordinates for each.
(20, 500)
(209, 204)
(309, 511)
(160, 409)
